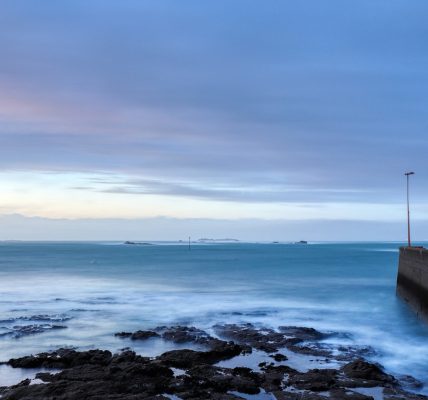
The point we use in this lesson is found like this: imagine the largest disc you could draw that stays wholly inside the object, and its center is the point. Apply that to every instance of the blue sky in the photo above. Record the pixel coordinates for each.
(226, 110)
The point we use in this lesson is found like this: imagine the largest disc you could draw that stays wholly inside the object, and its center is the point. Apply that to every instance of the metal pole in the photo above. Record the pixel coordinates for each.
(408, 213)
(409, 243)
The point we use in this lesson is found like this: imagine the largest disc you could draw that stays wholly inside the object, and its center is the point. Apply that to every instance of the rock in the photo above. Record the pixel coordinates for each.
(187, 358)
(301, 333)
(279, 357)
(270, 341)
(283, 369)
(138, 335)
(143, 335)
(221, 380)
(410, 382)
(100, 375)
(267, 340)
(123, 334)
(19, 331)
(360, 369)
(316, 380)
(182, 358)
(62, 358)
(184, 334)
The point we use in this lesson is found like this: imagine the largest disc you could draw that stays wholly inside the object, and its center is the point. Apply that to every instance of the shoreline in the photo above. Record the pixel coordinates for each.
(228, 362)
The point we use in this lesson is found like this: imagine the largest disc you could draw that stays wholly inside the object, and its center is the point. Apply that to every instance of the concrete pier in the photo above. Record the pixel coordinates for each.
(412, 279)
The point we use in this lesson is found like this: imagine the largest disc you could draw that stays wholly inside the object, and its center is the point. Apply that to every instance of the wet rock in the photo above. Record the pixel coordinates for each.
(45, 376)
(396, 393)
(360, 369)
(283, 369)
(272, 380)
(350, 353)
(62, 358)
(279, 357)
(39, 318)
(187, 358)
(123, 334)
(302, 333)
(138, 335)
(19, 331)
(315, 380)
(143, 335)
(410, 382)
(184, 334)
(99, 375)
(266, 340)
(182, 358)
(270, 341)
(213, 379)
(127, 356)
(316, 351)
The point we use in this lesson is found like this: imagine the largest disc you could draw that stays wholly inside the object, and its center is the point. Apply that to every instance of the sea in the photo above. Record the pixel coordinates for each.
(57, 294)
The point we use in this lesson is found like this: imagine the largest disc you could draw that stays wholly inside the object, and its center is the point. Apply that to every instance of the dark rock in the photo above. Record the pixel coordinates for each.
(410, 382)
(99, 375)
(315, 380)
(270, 341)
(220, 380)
(310, 350)
(138, 335)
(187, 358)
(396, 393)
(267, 340)
(39, 318)
(302, 333)
(19, 331)
(361, 369)
(123, 334)
(283, 369)
(143, 335)
(279, 357)
(184, 334)
(62, 358)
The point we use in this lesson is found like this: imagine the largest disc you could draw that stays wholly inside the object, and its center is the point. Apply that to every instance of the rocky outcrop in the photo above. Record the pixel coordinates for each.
(190, 374)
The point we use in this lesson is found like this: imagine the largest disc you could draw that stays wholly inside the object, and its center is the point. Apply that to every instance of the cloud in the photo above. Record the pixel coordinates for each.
(249, 193)
(238, 101)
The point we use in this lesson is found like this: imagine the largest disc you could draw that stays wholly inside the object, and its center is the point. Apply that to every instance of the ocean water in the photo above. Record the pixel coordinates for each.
(96, 289)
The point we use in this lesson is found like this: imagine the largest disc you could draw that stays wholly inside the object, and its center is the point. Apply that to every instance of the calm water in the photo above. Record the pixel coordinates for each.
(96, 289)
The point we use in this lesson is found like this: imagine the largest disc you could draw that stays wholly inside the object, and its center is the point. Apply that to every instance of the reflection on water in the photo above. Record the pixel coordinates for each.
(11, 376)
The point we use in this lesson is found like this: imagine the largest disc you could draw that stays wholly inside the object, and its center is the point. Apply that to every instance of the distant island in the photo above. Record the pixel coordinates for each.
(138, 243)
(217, 240)
(299, 242)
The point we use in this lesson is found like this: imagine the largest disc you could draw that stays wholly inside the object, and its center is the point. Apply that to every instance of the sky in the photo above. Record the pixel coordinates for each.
(265, 118)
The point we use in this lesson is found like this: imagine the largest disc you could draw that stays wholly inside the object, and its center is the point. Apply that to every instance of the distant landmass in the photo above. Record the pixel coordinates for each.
(299, 242)
(217, 240)
(138, 243)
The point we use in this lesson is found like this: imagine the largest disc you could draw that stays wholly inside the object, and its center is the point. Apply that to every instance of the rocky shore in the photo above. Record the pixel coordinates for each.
(216, 372)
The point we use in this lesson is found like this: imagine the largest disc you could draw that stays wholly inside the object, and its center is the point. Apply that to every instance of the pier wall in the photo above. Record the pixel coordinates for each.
(412, 279)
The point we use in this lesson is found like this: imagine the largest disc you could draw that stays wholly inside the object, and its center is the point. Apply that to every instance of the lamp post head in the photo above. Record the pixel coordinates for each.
(409, 173)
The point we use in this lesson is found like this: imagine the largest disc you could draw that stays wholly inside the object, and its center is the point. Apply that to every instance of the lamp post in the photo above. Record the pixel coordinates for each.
(408, 209)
